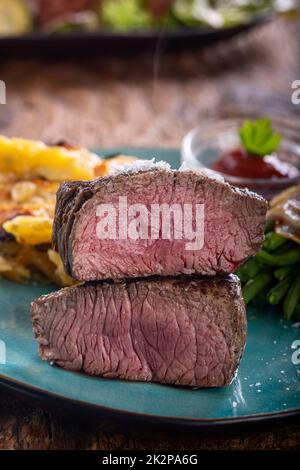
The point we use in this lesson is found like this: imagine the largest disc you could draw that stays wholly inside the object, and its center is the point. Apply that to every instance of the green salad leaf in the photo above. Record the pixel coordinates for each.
(221, 13)
(258, 137)
(125, 14)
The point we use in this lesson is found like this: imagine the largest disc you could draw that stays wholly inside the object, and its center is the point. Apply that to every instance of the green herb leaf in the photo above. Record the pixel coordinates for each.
(125, 14)
(258, 137)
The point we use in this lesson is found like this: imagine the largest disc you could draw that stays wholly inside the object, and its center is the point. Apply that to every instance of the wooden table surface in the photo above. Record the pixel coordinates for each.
(145, 101)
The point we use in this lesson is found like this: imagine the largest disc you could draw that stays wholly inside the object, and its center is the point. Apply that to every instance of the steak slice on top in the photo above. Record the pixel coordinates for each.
(184, 331)
(233, 226)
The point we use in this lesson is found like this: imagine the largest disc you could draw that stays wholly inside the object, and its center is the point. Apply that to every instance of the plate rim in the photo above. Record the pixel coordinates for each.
(133, 416)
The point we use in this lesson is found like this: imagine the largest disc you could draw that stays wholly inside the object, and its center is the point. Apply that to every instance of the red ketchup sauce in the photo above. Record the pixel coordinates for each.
(238, 163)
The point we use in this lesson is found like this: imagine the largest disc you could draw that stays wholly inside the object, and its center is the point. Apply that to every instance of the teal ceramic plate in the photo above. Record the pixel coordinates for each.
(266, 387)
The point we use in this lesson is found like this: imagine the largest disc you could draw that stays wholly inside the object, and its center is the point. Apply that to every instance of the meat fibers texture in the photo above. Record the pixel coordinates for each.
(186, 331)
(233, 226)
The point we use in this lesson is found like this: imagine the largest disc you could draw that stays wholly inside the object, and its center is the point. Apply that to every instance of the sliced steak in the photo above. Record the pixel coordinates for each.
(233, 226)
(184, 331)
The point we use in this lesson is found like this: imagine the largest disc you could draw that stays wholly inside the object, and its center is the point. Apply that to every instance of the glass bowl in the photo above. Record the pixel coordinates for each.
(205, 144)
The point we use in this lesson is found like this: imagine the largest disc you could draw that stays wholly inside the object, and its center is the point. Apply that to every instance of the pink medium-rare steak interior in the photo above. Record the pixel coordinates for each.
(176, 331)
(233, 226)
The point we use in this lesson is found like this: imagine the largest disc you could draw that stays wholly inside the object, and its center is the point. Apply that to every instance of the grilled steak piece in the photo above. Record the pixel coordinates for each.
(233, 226)
(183, 331)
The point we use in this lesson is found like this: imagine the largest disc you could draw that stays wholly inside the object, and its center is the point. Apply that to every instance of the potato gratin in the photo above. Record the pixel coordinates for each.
(30, 174)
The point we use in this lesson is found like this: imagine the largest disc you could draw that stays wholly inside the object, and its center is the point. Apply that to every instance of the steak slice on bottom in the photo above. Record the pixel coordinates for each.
(184, 331)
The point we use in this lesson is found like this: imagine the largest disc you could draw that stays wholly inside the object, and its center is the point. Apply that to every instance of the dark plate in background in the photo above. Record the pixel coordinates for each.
(114, 43)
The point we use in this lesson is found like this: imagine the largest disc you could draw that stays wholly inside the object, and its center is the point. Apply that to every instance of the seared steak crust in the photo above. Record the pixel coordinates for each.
(187, 331)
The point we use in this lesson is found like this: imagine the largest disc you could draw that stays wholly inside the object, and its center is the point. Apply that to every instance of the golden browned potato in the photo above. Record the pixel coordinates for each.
(30, 229)
(30, 175)
(33, 159)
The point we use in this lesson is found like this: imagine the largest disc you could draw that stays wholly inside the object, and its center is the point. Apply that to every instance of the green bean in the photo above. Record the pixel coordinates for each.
(291, 256)
(269, 225)
(283, 272)
(256, 285)
(292, 298)
(250, 269)
(273, 241)
(277, 293)
(281, 250)
(243, 277)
